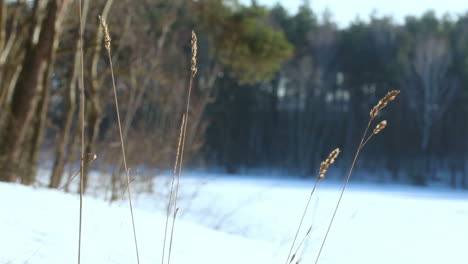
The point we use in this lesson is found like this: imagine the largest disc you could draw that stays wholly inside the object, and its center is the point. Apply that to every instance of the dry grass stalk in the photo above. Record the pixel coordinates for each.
(82, 114)
(107, 45)
(172, 187)
(193, 70)
(91, 157)
(323, 169)
(390, 96)
(300, 245)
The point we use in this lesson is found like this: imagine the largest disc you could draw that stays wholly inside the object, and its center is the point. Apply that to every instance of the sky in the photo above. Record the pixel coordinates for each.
(345, 11)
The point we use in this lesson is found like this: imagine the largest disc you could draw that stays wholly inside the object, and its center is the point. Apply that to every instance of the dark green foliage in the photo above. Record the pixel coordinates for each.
(244, 43)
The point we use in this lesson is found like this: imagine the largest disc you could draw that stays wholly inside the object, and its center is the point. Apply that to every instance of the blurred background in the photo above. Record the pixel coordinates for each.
(279, 85)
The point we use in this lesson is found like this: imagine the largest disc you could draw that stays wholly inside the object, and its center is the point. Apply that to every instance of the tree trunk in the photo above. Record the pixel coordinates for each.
(70, 90)
(3, 22)
(71, 156)
(59, 163)
(40, 122)
(6, 95)
(26, 94)
(38, 127)
(9, 75)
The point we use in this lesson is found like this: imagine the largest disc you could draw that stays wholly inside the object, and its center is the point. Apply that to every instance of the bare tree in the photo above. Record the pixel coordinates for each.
(11, 47)
(38, 128)
(70, 98)
(432, 86)
(142, 76)
(27, 90)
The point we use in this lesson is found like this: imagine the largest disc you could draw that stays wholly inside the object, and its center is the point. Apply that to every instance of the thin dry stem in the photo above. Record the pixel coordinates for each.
(300, 244)
(172, 234)
(116, 101)
(323, 169)
(193, 70)
(172, 186)
(344, 188)
(289, 258)
(92, 158)
(82, 113)
(377, 130)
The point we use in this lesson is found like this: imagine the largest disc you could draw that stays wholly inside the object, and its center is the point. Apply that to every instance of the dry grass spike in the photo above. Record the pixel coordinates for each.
(105, 30)
(380, 127)
(329, 161)
(194, 54)
(390, 96)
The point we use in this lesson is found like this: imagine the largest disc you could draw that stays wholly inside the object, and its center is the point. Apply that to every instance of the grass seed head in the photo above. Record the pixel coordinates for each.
(326, 163)
(390, 96)
(105, 30)
(380, 127)
(194, 54)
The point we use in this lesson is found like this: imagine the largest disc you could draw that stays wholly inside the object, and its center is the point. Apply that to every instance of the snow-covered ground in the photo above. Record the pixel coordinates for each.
(240, 220)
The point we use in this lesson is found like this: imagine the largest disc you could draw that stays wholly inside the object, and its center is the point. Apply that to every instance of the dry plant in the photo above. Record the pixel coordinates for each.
(193, 72)
(390, 96)
(323, 170)
(107, 45)
(82, 115)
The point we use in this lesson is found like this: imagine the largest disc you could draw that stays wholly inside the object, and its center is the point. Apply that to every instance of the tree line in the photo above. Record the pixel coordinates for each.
(273, 89)
(322, 94)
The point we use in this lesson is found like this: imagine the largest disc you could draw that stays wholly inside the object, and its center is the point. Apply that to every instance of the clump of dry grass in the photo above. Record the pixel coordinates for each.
(390, 96)
(323, 170)
(107, 45)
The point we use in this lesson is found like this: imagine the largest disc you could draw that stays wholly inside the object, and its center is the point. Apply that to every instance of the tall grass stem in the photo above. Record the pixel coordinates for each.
(116, 101)
(82, 114)
(361, 144)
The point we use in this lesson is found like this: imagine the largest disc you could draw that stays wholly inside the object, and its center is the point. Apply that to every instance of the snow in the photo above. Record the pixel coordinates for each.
(240, 220)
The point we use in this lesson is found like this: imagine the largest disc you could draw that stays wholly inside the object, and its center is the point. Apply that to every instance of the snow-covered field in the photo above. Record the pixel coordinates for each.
(240, 220)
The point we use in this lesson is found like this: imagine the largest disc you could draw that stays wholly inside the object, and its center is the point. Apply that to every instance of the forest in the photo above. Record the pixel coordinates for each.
(274, 90)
